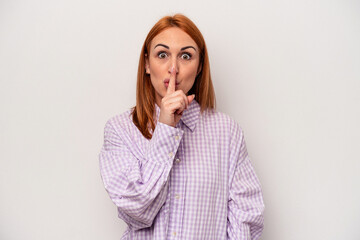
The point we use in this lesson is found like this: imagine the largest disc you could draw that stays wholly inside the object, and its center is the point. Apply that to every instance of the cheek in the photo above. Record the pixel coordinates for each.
(156, 70)
(157, 76)
(191, 72)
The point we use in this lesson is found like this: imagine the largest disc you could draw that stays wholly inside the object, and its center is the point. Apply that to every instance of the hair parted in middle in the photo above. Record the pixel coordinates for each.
(143, 112)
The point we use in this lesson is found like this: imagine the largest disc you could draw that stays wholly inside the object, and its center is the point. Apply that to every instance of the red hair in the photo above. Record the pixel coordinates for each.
(143, 112)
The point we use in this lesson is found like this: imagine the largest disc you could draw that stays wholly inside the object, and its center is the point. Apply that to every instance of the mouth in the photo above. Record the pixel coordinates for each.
(167, 80)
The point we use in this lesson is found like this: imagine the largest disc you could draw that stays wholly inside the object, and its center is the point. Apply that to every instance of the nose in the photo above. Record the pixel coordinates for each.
(174, 64)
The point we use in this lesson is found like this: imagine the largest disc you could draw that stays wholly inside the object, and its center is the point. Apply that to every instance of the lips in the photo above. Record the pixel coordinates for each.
(167, 80)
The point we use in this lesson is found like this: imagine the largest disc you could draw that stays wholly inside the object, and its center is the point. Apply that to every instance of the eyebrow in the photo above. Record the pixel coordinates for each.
(187, 48)
(163, 45)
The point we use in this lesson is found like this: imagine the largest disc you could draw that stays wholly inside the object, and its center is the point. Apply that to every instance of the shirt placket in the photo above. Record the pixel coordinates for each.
(177, 189)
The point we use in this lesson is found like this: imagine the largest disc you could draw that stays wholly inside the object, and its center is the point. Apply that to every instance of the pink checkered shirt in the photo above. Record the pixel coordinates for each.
(194, 181)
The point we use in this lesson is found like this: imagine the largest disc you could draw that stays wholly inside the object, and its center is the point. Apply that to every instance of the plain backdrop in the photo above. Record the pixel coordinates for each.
(287, 71)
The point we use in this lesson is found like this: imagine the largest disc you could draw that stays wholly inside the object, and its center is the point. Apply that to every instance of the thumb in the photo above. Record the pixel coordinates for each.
(191, 98)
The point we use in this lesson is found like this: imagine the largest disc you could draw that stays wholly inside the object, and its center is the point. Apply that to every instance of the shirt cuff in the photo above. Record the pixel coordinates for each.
(164, 143)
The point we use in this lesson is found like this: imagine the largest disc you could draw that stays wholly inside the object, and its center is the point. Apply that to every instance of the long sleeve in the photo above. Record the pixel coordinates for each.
(138, 185)
(245, 203)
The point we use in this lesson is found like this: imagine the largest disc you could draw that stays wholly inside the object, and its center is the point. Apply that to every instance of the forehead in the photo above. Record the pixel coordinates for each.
(174, 38)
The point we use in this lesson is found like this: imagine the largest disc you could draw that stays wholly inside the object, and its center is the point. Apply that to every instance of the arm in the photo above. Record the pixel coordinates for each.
(138, 187)
(245, 203)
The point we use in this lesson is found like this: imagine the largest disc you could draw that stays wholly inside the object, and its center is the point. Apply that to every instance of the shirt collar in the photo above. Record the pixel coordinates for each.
(190, 115)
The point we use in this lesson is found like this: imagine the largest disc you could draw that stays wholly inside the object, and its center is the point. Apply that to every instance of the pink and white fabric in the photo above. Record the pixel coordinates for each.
(194, 181)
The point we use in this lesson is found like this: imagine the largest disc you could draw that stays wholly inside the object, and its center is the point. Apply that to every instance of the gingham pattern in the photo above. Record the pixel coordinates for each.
(194, 181)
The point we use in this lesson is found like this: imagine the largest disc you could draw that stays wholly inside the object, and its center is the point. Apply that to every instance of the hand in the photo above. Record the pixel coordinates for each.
(173, 103)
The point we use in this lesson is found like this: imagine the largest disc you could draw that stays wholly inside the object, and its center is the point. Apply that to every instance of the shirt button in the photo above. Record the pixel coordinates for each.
(177, 160)
(177, 196)
(177, 137)
(170, 154)
(174, 233)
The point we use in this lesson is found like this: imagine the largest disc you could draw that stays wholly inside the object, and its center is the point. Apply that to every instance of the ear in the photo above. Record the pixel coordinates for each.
(147, 66)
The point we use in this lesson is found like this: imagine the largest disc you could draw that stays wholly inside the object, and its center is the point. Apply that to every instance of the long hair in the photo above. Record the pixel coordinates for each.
(143, 112)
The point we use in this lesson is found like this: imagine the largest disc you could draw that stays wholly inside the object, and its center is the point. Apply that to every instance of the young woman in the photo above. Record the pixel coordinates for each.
(174, 166)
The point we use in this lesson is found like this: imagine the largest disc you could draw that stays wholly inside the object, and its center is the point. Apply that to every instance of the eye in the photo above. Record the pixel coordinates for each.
(162, 55)
(186, 56)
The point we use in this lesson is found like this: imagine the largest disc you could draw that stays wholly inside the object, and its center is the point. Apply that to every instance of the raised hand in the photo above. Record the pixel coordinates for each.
(173, 103)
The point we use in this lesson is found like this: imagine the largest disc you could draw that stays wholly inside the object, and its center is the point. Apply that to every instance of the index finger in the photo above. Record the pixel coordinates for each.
(171, 86)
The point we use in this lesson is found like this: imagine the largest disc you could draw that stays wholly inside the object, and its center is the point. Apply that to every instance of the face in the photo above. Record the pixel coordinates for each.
(172, 48)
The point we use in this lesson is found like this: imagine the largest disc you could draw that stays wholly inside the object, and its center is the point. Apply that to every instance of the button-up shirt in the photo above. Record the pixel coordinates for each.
(192, 181)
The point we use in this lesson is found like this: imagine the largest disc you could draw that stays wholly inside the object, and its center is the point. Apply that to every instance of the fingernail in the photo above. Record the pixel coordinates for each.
(172, 69)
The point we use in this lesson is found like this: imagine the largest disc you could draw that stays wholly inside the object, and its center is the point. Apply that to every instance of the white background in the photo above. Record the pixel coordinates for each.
(287, 71)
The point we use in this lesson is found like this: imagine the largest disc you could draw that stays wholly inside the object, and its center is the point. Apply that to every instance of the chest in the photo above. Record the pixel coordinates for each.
(202, 158)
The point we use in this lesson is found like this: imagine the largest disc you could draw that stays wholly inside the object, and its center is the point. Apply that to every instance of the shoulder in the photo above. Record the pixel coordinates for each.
(121, 122)
(221, 119)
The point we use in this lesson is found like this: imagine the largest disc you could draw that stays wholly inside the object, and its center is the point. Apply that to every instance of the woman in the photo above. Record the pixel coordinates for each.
(174, 166)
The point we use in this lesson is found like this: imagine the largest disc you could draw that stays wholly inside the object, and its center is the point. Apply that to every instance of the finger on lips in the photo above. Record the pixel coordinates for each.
(177, 96)
(171, 86)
